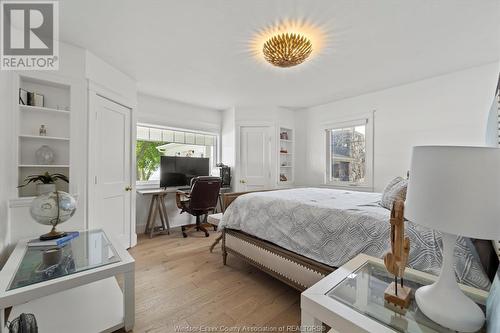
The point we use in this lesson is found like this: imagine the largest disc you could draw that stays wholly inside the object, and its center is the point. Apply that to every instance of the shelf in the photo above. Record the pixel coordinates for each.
(285, 153)
(36, 137)
(285, 166)
(283, 140)
(42, 109)
(44, 165)
(102, 301)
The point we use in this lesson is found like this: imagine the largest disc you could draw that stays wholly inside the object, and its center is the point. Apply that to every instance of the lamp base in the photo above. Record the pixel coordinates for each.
(53, 234)
(444, 302)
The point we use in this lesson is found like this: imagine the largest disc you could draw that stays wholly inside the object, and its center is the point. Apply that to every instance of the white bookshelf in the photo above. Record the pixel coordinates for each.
(286, 163)
(55, 115)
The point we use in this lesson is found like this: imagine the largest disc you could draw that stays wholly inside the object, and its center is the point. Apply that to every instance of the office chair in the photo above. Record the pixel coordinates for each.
(200, 200)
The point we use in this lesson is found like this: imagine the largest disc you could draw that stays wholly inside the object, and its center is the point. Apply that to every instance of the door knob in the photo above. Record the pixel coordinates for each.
(128, 188)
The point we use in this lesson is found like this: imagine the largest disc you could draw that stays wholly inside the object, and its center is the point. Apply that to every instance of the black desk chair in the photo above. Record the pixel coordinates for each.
(200, 200)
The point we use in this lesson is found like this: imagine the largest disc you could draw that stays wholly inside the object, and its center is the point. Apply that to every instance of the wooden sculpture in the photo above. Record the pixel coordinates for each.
(395, 260)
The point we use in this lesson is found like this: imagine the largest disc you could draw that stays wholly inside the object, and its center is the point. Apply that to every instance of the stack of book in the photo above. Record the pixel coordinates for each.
(59, 242)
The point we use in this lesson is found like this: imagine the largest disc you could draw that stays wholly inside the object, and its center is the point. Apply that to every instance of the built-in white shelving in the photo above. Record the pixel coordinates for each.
(55, 115)
(39, 137)
(285, 156)
(44, 165)
(42, 109)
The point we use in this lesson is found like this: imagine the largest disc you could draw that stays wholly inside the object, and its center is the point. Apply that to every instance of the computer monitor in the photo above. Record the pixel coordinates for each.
(178, 171)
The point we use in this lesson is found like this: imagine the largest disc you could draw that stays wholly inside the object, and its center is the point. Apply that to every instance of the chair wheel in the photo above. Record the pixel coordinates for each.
(184, 235)
(206, 234)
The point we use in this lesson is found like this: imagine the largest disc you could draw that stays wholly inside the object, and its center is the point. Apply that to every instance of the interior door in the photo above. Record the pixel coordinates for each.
(255, 158)
(112, 174)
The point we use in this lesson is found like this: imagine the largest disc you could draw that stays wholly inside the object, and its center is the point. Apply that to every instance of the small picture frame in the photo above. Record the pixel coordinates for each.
(23, 96)
(39, 100)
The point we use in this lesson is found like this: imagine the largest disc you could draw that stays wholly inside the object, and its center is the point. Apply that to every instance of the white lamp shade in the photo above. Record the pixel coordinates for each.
(455, 190)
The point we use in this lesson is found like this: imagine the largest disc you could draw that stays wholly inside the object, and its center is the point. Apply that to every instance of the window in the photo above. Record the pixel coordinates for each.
(349, 151)
(153, 142)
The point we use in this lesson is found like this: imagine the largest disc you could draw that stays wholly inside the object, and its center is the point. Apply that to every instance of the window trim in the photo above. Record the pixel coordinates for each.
(142, 184)
(366, 119)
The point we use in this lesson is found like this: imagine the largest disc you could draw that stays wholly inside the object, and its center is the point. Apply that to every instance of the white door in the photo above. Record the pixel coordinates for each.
(255, 158)
(111, 170)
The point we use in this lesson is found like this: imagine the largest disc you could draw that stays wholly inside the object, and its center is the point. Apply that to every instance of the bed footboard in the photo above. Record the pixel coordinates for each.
(295, 270)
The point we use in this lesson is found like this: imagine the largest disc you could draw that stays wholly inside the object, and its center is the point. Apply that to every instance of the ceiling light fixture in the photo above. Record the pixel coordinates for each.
(287, 49)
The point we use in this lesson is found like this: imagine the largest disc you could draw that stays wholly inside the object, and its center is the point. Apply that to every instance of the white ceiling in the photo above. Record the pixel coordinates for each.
(197, 51)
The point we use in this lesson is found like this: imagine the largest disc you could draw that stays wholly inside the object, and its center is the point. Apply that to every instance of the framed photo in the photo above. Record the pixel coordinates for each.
(23, 96)
(38, 99)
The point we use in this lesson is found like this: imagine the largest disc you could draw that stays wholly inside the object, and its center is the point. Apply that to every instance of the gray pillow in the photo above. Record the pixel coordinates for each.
(396, 189)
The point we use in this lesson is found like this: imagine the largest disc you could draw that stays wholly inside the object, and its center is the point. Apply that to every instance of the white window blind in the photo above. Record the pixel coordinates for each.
(146, 133)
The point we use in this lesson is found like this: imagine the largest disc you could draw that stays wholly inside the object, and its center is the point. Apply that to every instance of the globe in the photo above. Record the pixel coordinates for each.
(53, 208)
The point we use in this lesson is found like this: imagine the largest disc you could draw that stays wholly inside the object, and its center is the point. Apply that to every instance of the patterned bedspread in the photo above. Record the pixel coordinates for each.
(333, 226)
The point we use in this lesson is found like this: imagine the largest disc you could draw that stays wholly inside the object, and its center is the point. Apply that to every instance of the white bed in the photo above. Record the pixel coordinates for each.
(333, 226)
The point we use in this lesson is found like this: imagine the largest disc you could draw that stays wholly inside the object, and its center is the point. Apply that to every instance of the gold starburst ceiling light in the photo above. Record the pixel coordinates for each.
(287, 49)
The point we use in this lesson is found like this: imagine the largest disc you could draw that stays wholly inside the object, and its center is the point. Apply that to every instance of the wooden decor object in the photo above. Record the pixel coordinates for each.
(395, 260)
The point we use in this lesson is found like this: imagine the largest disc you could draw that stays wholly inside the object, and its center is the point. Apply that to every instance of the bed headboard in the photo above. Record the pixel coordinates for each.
(228, 198)
(487, 256)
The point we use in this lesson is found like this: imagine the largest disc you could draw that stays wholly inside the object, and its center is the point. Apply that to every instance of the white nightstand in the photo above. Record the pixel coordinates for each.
(351, 300)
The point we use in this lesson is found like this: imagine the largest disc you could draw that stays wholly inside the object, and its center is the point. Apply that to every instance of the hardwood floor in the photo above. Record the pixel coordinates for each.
(180, 283)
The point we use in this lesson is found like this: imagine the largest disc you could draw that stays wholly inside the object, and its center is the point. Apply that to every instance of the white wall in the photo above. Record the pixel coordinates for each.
(228, 139)
(450, 109)
(164, 112)
(160, 111)
(19, 223)
(76, 66)
(272, 116)
(492, 125)
(5, 148)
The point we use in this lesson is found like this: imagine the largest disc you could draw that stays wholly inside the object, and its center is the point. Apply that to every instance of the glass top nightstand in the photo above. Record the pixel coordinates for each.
(91, 249)
(351, 299)
(363, 290)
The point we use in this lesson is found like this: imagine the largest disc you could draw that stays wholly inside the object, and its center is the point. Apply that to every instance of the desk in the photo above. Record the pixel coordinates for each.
(174, 218)
(157, 206)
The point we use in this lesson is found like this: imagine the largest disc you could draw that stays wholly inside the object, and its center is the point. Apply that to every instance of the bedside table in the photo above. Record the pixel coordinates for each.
(351, 300)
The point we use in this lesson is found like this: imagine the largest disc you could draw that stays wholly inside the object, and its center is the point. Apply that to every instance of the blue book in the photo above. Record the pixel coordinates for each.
(54, 242)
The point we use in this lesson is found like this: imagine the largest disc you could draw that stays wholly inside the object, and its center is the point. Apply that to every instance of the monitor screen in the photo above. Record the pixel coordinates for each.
(178, 171)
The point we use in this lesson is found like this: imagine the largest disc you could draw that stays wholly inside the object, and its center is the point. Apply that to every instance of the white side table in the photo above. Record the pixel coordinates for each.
(79, 294)
(351, 300)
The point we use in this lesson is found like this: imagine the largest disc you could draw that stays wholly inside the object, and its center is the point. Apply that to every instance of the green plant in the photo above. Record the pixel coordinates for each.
(148, 158)
(45, 178)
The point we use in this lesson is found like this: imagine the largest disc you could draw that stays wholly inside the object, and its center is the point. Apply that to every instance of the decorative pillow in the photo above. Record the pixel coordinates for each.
(396, 189)
(493, 306)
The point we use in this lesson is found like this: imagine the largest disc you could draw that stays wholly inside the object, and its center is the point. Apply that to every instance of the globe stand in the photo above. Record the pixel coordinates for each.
(53, 234)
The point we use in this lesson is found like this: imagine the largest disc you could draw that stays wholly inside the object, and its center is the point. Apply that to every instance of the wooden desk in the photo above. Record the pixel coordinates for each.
(157, 206)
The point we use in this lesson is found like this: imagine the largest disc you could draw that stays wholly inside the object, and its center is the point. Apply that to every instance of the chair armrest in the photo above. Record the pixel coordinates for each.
(181, 196)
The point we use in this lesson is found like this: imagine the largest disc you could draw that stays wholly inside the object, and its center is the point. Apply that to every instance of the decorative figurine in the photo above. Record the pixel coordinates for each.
(43, 130)
(395, 260)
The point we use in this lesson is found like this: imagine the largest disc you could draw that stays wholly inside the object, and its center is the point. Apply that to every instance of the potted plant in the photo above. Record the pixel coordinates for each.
(44, 182)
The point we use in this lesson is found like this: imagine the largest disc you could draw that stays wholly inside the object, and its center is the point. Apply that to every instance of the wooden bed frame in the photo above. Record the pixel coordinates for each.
(289, 267)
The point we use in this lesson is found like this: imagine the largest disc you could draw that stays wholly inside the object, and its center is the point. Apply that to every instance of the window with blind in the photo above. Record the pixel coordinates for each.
(349, 153)
(153, 142)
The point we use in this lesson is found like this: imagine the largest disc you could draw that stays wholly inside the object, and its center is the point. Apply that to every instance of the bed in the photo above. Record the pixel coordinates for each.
(301, 235)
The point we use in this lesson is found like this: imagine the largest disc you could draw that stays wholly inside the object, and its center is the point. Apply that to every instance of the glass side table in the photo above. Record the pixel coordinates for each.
(91, 249)
(351, 299)
(82, 281)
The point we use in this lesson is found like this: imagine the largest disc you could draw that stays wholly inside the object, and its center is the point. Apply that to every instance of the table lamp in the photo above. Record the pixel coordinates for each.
(455, 190)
